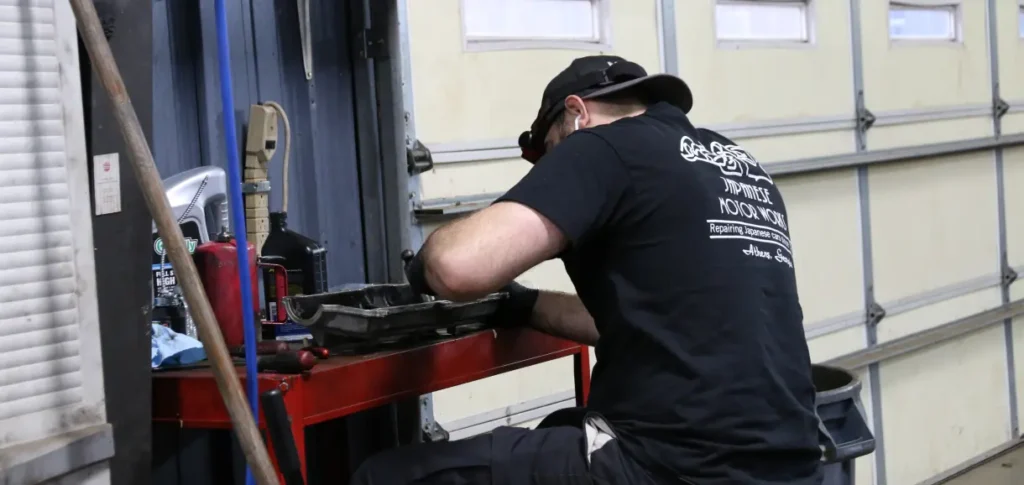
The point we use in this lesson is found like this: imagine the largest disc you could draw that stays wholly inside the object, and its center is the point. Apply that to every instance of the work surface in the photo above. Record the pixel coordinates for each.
(340, 386)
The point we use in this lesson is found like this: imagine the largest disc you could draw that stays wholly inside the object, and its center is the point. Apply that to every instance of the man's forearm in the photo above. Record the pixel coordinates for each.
(563, 315)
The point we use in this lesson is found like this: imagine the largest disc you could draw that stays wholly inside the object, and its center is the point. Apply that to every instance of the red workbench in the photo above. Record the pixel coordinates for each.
(341, 386)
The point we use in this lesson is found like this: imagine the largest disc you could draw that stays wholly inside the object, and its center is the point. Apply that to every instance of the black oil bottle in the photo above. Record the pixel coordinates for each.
(304, 259)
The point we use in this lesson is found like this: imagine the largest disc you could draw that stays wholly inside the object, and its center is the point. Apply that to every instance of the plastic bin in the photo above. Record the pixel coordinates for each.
(844, 432)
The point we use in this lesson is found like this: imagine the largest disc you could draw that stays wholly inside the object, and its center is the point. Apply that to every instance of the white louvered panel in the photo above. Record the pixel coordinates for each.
(39, 389)
(14, 30)
(39, 370)
(35, 227)
(29, 80)
(33, 405)
(57, 318)
(40, 335)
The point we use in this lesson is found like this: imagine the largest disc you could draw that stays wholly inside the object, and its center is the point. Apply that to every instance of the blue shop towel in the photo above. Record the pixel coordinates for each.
(171, 348)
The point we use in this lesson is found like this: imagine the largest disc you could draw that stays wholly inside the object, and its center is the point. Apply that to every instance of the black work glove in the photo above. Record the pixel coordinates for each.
(516, 310)
(416, 273)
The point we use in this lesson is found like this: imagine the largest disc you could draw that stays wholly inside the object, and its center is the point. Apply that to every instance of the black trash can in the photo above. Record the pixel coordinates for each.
(843, 430)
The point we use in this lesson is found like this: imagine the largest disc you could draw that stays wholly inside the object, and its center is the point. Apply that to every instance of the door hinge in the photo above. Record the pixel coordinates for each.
(875, 314)
(1009, 276)
(1000, 107)
(371, 43)
(419, 158)
(433, 433)
(865, 120)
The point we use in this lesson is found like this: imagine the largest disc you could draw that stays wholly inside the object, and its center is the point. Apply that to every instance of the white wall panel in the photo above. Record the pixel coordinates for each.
(549, 275)
(1011, 50)
(1013, 123)
(825, 228)
(489, 176)
(903, 324)
(784, 148)
(944, 405)
(933, 224)
(911, 75)
(504, 390)
(911, 134)
(471, 178)
(740, 85)
(836, 344)
(1013, 179)
(467, 96)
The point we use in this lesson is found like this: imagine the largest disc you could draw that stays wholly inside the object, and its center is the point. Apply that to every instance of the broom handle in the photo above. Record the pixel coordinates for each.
(152, 187)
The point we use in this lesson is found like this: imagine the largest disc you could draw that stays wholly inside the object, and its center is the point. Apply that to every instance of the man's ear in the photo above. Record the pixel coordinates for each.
(575, 106)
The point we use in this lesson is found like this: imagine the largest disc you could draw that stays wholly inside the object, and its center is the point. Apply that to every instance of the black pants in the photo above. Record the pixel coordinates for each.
(554, 453)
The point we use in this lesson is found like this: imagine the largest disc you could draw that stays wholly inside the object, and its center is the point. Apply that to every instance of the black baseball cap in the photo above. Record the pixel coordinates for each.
(593, 77)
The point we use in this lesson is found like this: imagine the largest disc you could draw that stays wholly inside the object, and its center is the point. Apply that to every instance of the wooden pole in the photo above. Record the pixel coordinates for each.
(184, 269)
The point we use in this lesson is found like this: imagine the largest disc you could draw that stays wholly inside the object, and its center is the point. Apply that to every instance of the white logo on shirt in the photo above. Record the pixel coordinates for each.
(730, 159)
(746, 210)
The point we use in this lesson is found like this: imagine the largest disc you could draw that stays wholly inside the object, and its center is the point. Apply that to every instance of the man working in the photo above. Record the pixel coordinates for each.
(678, 245)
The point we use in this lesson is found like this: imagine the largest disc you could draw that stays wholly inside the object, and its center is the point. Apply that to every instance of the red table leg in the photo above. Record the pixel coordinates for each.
(581, 362)
(293, 401)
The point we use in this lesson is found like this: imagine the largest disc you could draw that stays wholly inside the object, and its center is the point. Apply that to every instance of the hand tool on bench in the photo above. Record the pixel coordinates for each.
(266, 347)
(287, 362)
(151, 185)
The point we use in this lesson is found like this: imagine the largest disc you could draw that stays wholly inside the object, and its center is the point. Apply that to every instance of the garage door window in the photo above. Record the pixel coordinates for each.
(917, 22)
(511, 24)
(1020, 21)
(763, 21)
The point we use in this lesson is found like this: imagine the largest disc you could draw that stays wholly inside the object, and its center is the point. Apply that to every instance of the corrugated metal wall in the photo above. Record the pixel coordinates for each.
(929, 240)
(266, 57)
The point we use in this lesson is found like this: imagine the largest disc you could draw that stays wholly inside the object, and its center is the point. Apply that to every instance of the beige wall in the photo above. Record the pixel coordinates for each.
(933, 221)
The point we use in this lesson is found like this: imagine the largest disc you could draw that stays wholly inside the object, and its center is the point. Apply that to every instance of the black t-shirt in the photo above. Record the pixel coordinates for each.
(679, 248)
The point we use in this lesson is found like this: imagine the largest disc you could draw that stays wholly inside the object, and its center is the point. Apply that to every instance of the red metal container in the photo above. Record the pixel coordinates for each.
(217, 262)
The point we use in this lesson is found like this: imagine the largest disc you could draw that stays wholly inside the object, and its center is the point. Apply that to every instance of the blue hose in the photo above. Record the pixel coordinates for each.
(237, 213)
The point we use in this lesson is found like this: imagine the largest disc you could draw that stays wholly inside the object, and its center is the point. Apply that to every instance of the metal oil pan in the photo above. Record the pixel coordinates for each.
(383, 311)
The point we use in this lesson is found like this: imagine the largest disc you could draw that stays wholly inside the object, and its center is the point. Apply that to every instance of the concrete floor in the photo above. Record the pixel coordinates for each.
(1005, 469)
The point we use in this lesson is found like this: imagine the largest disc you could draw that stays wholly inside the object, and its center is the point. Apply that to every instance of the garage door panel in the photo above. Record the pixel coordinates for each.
(1011, 49)
(733, 85)
(1013, 122)
(825, 229)
(472, 178)
(463, 96)
(498, 392)
(784, 148)
(928, 133)
(901, 75)
(944, 405)
(549, 275)
(836, 344)
(1013, 180)
(933, 224)
(896, 325)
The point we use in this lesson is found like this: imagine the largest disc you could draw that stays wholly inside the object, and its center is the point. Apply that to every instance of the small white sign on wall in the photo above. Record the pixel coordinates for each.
(106, 170)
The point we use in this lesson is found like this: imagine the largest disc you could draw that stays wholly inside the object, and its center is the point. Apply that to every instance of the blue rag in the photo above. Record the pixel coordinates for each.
(171, 348)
